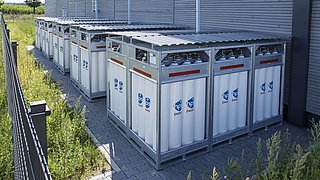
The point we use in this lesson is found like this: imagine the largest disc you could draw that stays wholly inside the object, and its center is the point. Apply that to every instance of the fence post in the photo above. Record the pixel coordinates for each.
(8, 33)
(14, 45)
(38, 112)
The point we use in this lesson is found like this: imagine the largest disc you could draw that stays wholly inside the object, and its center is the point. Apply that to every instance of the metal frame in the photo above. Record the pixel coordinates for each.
(276, 119)
(161, 160)
(158, 159)
(248, 61)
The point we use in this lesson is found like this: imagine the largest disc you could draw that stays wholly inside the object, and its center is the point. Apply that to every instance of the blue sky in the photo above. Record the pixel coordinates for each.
(16, 1)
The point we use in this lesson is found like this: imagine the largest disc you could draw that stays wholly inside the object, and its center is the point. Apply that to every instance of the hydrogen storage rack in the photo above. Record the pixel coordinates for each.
(61, 40)
(175, 96)
(268, 78)
(165, 83)
(48, 37)
(232, 70)
(118, 52)
(88, 54)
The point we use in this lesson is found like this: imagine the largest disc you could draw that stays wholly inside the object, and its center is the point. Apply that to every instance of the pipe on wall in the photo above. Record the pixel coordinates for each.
(129, 11)
(197, 16)
(97, 11)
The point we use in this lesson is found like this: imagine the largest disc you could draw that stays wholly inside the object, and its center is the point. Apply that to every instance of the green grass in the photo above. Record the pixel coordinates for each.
(71, 153)
(20, 9)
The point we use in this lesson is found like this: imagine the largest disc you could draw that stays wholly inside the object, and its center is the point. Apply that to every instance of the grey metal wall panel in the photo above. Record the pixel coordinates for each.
(152, 11)
(260, 15)
(50, 8)
(257, 15)
(313, 98)
(185, 12)
(60, 4)
(77, 8)
(121, 9)
(106, 9)
(88, 9)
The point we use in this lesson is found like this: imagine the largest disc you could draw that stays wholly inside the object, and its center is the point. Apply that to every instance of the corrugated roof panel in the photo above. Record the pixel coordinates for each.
(206, 38)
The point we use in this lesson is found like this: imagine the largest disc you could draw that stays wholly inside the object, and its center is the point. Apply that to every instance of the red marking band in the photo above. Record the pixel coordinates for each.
(142, 72)
(116, 61)
(100, 47)
(184, 73)
(231, 66)
(269, 61)
(84, 46)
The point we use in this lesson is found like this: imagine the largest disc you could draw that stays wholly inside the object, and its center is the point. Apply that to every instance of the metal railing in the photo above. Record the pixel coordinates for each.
(28, 125)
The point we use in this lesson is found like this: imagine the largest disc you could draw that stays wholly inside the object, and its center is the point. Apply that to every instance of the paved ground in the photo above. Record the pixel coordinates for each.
(134, 166)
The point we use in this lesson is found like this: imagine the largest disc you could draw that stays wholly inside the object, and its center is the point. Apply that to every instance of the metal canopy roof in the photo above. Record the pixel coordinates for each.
(128, 27)
(86, 22)
(152, 32)
(191, 39)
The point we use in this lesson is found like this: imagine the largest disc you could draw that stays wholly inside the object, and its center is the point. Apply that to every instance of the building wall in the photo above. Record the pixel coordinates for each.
(313, 97)
(50, 8)
(185, 12)
(258, 15)
(77, 8)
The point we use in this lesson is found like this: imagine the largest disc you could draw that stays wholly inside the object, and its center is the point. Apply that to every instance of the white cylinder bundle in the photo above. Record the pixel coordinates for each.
(111, 85)
(61, 49)
(141, 114)
(242, 100)
(102, 71)
(260, 90)
(276, 90)
(188, 111)
(148, 114)
(224, 100)
(233, 101)
(50, 44)
(268, 94)
(115, 83)
(135, 103)
(165, 116)
(66, 55)
(122, 93)
(55, 49)
(94, 72)
(200, 109)
(73, 54)
(175, 115)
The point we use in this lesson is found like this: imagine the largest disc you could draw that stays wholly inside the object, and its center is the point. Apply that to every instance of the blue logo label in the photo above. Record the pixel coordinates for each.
(148, 103)
(225, 95)
(115, 82)
(140, 98)
(190, 103)
(178, 106)
(120, 85)
(235, 93)
(263, 87)
(271, 85)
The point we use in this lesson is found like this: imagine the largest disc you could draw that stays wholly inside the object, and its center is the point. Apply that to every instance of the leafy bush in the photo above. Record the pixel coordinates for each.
(20, 9)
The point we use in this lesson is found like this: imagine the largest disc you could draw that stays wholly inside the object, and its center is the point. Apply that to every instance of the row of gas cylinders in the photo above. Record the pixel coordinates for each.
(183, 104)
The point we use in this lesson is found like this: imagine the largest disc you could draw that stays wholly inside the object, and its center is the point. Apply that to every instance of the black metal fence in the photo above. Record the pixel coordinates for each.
(28, 125)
